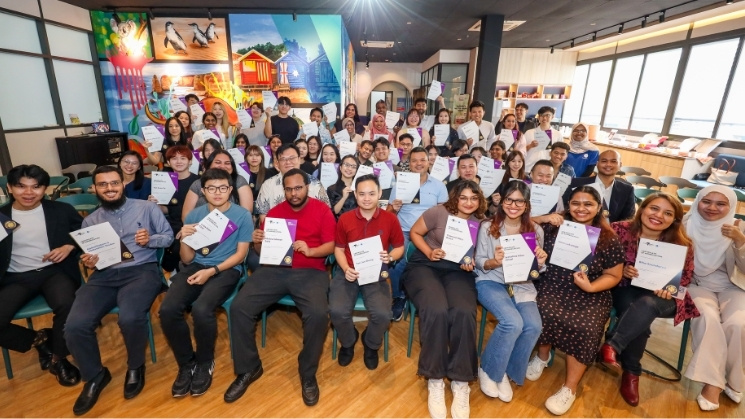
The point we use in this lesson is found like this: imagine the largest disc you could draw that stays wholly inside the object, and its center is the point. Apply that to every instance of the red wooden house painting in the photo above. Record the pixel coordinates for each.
(256, 69)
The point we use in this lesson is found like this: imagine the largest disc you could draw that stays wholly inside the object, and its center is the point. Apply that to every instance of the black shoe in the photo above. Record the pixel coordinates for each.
(371, 355)
(182, 385)
(67, 374)
(134, 382)
(310, 391)
(44, 348)
(239, 386)
(346, 354)
(91, 390)
(202, 378)
(399, 305)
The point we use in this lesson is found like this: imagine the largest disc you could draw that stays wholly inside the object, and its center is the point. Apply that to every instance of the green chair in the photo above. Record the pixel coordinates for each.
(688, 194)
(59, 183)
(635, 171)
(641, 193)
(4, 184)
(34, 308)
(80, 186)
(359, 305)
(678, 181)
(740, 216)
(286, 301)
(646, 181)
(740, 195)
(84, 202)
(229, 301)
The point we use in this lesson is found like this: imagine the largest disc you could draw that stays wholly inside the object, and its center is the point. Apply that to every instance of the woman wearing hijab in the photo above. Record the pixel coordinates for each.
(718, 290)
(583, 155)
(348, 124)
(378, 129)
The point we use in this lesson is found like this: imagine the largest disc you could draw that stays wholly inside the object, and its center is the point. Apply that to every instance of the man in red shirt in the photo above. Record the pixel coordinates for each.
(366, 221)
(306, 282)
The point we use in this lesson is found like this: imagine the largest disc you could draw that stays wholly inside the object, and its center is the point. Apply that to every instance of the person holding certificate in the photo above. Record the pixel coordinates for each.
(511, 133)
(363, 270)
(510, 299)
(458, 148)
(486, 129)
(559, 153)
(497, 151)
(306, 281)
(543, 174)
(467, 168)
(514, 164)
(314, 154)
(176, 136)
(378, 129)
(575, 306)
(583, 155)
(185, 120)
(658, 218)
(206, 131)
(282, 124)
(132, 286)
(208, 278)
(365, 152)
(316, 115)
(226, 131)
(38, 257)
(443, 144)
(406, 144)
(538, 140)
(257, 168)
(380, 154)
(329, 154)
(341, 195)
(444, 293)
(718, 290)
(255, 131)
(349, 125)
(136, 185)
(350, 111)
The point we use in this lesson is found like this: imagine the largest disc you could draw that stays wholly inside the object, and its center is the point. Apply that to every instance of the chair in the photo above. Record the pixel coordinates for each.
(687, 193)
(59, 183)
(77, 169)
(679, 182)
(740, 216)
(740, 195)
(635, 171)
(81, 202)
(229, 301)
(641, 193)
(359, 305)
(4, 184)
(286, 301)
(683, 343)
(34, 308)
(80, 185)
(150, 337)
(646, 181)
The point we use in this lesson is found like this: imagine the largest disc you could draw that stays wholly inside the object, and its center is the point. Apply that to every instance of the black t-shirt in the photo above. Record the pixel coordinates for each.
(287, 128)
(174, 209)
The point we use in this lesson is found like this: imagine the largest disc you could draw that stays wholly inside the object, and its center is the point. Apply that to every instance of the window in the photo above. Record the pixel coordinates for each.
(574, 103)
(703, 86)
(68, 43)
(622, 92)
(24, 78)
(78, 91)
(25, 35)
(654, 91)
(597, 86)
(732, 126)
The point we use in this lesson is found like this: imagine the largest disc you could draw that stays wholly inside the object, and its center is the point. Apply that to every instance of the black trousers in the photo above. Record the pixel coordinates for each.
(308, 288)
(17, 289)
(636, 308)
(446, 302)
(204, 300)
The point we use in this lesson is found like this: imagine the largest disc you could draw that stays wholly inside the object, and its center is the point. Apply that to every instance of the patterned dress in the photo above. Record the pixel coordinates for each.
(574, 320)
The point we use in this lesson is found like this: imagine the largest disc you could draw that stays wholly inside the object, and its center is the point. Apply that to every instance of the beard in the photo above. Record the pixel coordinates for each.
(299, 205)
(112, 205)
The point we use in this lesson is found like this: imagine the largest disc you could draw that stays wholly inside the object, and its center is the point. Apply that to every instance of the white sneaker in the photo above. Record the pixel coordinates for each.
(461, 408)
(535, 368)
(736, 396)
(559, 403)
(436, 399)
(706, 405)
(488, 386)
(505, 389)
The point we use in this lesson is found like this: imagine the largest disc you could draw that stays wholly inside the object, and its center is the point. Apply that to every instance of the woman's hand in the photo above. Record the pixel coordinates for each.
(347, 190)
(498, 255)
(733, 232)
(663, 294)
(629, 271)
(152, 198)
(533, 144)
(467, 267)
(238, 126)
(396, 204)
(186, 231)
(436, 254)
(147, 144)
(541, 256)
(496, 198)
(583, 282)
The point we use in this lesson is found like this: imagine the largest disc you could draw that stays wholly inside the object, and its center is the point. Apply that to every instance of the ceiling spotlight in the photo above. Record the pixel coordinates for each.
(294, 17)
(209, 14)
(662, 16)
(620, 29)
(552, 49)
(572, 44)
(644, 22)
(594, 36)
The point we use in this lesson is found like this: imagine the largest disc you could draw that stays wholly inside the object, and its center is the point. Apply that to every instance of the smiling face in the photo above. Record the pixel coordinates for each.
(514, 205)
(274, 144)
(241, 143)
(509, 122)
(328, 155)
(658, 215)
(256, 111)
(477, 114)
(713, 207)
(289, 159)
(179, 163)
(545, 118)
(379, 124)
(349, 126)
(432, 153)
(583, 208)
(129, 165)
(609, 162)
(349, 167)
(468, 202)
(303, 148)
(313, 146)
(496, 152)
(316, 116)
(520, 112)
(443, 118)
(558, 155)
(412, 119)
(27, 194)
(381, 108)
(209, 122)
(515, 165)
(542, 174)
(579, 133)
(109, 187)
(421, 107)
(381, 152)
(174, 128)
(419, 162)
(467, 169)
(367, 194)
(406, 145)
(366, 152)
(218, 110)
(207, 150)
(184, 119)
(222, 161)
(349, 111)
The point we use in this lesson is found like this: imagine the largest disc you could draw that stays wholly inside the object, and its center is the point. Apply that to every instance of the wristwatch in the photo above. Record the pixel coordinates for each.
(217, 270)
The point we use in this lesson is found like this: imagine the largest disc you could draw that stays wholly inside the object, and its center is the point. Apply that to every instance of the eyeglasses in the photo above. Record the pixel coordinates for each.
(518, 202)
(580, 131)
(113, 184)
(472, 198)
(349, 165)
(294, 189)
(130, 162)
(213, 189)
(287, 159)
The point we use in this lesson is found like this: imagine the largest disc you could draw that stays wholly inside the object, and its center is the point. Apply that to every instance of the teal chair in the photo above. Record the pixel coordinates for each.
(4, 184)
(359, 305)
(688, 193)
(59, 183)
(641, 193)
(80, 186)
(34, 308)
(740, 216)
(83, 202)
(649, 182)
(229, 301)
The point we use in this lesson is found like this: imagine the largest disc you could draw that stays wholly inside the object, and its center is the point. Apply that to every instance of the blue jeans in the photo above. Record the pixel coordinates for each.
(519, 325)
(397, 272)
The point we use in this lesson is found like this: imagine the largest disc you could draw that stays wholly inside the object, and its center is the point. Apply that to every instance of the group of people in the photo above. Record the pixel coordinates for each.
(557, 308)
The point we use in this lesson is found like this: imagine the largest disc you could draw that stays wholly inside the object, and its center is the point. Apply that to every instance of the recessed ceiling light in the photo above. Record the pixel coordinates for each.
(548, 40)
(459, 39)
(399, 42)
(408, 23)
(592, 24)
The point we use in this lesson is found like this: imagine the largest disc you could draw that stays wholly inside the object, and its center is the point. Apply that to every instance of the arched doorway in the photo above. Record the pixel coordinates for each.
(396, 95)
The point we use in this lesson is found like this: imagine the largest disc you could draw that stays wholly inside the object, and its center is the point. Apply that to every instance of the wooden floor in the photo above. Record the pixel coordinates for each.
(393, 390)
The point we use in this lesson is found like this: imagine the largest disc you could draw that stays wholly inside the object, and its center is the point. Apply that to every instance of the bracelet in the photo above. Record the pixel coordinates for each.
(217, 270)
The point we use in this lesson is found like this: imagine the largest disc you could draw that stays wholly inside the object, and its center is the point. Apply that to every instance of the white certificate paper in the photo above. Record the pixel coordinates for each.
(442, 132)
(269, 99)
(244, 118)
(543, 198)
(519, 263)
(329, 174)
(210, 232)
(362, 170)
(177, 105)
(240, 163)
(471, 130)
(435, 90)
(385, 178)
(391, 119)
(342, 136)
(395, 155)
(544, 141)
(101, 240)
(459, 240)
(442, 168)
(163, 186)
(310, 129)
(329, 111)
(154, 134)
(660, 266)
(279, 234)
(347, 148)
(427, 122)
(417, 134)
(508, 137)
(407, 187)
(575, 245)
(197, 112)
(563, 181)
(195, 161)
(366, 260)
(491, 175)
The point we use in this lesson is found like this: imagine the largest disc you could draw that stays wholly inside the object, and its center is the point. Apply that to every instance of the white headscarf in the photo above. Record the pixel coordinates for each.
(579, 147)
(709, 245)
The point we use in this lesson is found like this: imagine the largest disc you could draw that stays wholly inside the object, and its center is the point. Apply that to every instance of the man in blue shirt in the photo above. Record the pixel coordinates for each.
(131, 285)
(204, 284)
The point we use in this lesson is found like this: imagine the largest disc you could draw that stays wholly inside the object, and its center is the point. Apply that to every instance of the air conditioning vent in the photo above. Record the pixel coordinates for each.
(376, 44)
(508, 25)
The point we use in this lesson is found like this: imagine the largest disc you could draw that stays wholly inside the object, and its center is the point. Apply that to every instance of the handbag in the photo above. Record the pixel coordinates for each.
(724, 175)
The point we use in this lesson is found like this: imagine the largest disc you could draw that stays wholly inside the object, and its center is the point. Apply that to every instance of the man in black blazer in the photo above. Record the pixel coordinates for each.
(38, 258)
(617, 194)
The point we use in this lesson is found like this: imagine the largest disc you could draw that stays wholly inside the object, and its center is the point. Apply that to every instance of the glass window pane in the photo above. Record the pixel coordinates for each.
(654, 91)
(25, 35)
(703, 86)
(622, 92)
(453, 73)
(24, 80)
(78, 91)
(574, 103)
(68, 43)
(732, 126)
(597, 87)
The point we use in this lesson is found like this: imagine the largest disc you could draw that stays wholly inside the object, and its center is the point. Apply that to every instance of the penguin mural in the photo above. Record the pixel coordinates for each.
(199, 36)
(211, 34)
(177, 42)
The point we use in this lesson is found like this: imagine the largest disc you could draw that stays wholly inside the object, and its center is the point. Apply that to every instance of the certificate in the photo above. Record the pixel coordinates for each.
(575, 246)
(240, 163)
(442, 132)
(471, 130)
(491, 175)
(363, 170)
(660, 267)
(8, 226)
(543, 138)
(194, 166)
(279, 235)
(164, 186)
(442, 168)
(383, 136)
(347, 148)
(210, 232)
(177, 105)
(244, 118)
(328, 174)
(101, 240)
(459, 240)
(417, 134)
(563, 181)
(543, 198)
(385, 178)
(197, 112)
(519, 263)
(208, 134)
(435, 90)
(407, 187)
(269, 99)
(310, 129)
(366, 260)
(508, 137)
(329, 111)
(454, 174)
(267, 152)
(427, 122)
(154, 134)
(391, 119)
(342, 136)
(395, 155)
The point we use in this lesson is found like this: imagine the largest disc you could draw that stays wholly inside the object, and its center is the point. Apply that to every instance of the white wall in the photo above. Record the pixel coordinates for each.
(408, 74)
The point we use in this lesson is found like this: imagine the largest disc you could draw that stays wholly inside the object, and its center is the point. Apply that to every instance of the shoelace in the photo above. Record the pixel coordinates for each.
(460, 396)
(564, 395)
(438, 393)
